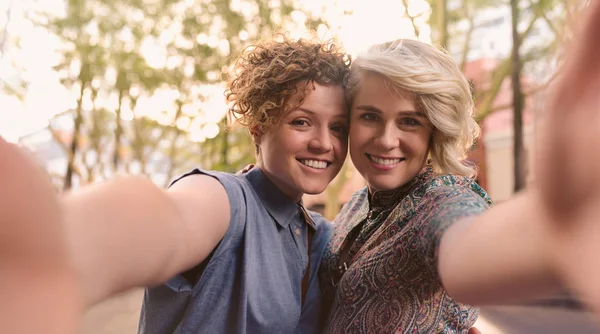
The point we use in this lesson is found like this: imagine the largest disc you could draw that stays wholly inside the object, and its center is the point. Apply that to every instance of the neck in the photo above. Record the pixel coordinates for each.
(292, 193)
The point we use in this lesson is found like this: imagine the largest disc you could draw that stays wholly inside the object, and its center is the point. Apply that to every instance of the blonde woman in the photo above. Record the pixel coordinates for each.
(413, 250)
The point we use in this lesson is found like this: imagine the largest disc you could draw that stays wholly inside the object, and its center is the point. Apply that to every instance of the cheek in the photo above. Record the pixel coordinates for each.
(358, 136)
(355, 155)
(425, 143)
(354, 129)
(359, 141)
(340, 143)
(287, 144)
(419, 144)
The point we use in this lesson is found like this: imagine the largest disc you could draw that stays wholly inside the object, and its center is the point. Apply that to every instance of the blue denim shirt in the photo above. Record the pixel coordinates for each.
(252, 283)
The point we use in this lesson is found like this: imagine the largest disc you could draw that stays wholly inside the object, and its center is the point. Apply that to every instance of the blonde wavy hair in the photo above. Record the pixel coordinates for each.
(441, 92)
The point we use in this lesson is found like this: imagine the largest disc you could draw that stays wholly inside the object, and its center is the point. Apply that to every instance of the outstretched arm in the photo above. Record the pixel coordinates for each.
(550, 234)
(499, 256)
(114, 236)
(129, 233)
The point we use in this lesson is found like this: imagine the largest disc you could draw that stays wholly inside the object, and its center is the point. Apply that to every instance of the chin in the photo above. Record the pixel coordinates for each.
(383, 184)
(314, 190)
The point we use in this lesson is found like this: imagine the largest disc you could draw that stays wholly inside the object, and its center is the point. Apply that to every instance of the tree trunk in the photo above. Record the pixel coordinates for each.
(225, 147)
(519, 170)
(442, 23)
(118, 133)
(68, 181)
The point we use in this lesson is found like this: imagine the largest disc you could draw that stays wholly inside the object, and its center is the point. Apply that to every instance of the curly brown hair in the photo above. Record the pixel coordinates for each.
(266, 76)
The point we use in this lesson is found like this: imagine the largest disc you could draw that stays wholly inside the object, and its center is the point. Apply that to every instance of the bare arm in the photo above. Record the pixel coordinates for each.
(130, 233)
(551, 234)
(36, 283)
(499, 256)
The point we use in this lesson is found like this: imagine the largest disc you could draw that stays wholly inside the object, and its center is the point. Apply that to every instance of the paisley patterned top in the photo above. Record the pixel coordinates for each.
(388, 282)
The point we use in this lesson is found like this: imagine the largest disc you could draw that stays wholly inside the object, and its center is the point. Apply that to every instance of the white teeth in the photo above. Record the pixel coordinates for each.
(382, 161)
(314, 163)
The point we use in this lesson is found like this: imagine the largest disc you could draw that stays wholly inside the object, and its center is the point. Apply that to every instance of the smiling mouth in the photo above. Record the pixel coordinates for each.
(384, 161)
(316, 164)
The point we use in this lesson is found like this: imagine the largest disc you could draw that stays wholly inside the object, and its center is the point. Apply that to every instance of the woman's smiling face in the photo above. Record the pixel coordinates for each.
(306, 149)
(389, 136)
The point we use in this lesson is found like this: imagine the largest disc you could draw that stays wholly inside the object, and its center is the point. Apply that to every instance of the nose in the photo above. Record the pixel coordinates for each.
(389, 137)
(321, 142)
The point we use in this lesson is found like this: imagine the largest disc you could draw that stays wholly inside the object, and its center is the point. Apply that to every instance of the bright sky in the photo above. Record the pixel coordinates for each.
(369, 22)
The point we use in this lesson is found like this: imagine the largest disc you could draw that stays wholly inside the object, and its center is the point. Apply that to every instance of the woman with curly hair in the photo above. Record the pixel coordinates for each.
(421, 243)
(222, 253)
(256, 271)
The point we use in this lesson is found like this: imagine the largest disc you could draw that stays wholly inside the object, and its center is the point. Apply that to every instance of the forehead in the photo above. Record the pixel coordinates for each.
(326, 101)
(377, 91)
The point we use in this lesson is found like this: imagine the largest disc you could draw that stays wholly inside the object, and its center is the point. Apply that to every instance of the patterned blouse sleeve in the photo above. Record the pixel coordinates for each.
(448, 205)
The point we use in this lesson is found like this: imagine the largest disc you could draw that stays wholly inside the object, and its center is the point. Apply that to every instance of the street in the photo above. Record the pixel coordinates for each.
(120, 316)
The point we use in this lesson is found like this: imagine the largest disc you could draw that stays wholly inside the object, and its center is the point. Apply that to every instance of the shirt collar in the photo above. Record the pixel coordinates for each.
(279, 206)
(382, 200)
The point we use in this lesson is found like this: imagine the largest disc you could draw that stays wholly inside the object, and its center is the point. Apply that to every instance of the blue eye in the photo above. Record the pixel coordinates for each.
(410, 122)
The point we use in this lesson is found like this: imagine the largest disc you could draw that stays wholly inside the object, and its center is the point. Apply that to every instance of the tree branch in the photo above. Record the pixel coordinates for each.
(501, 73)
(465, 49)
(529, 92)
(411, 18)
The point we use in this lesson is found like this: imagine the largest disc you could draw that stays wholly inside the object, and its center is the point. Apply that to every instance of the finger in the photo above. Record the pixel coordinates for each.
(246, 169)
(573, 118)
(580, 73)
(35, 279)
(474, 330)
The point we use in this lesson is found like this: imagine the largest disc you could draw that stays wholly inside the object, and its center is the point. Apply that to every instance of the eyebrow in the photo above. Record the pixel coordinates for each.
(313, 113)
(413, 113)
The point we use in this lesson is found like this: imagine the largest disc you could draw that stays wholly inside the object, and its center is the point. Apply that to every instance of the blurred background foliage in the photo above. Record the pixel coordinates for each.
(145, 77)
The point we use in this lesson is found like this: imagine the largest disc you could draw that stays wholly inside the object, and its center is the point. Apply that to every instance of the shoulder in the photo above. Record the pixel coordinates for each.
(206, 194)
(354, 210)
(226, 179)
(219, 190)
(235, 186)
(357, 200)
(453, 189)
(445, 199)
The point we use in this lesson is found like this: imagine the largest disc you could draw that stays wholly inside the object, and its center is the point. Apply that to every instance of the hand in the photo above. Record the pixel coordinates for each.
(569, 160)
(38, 289)
(474, 330)
(245, 169)
(569, 166)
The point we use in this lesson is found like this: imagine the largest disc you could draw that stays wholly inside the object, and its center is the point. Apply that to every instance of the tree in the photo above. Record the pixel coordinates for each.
(10, 83)
(518, 149)
(211, 58)
(441, 18)
(122, 59)
(531, 56)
